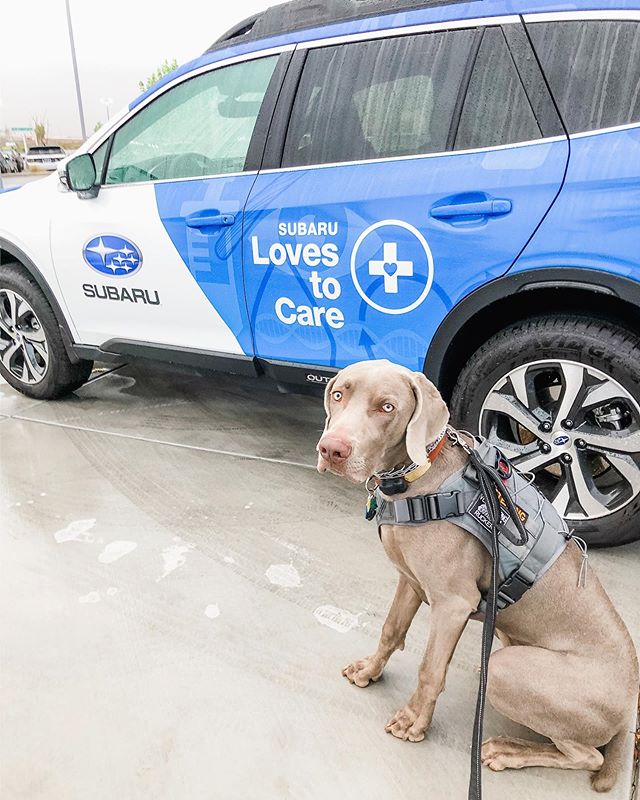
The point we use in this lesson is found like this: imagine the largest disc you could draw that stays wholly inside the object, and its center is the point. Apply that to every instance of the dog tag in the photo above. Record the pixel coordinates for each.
(371, 507)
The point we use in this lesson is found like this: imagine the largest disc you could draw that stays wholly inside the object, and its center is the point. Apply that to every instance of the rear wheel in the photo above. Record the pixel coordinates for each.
(561, 397)
(33, 358)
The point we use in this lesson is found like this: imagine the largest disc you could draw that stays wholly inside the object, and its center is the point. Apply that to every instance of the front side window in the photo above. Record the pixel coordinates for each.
(201, 127)
(377, 99)
(593, 69)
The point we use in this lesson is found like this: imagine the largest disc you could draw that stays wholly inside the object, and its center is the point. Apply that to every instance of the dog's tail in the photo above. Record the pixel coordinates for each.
(605, 778)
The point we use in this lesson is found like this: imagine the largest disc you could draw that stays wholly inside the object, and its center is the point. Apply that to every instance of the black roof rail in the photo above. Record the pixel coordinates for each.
(240, 29)
(296, 15)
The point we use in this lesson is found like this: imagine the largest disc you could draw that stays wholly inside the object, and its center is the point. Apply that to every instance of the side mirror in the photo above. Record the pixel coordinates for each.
(80, 173)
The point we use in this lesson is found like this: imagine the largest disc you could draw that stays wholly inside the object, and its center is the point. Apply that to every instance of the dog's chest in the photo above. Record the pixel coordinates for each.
(401, 549)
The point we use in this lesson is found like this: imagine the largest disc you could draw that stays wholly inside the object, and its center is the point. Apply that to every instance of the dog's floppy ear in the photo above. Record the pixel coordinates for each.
(429, 417)
(327, 395)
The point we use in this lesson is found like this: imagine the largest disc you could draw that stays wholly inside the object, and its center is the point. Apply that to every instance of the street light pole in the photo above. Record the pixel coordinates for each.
(75, 72)
(106, 101)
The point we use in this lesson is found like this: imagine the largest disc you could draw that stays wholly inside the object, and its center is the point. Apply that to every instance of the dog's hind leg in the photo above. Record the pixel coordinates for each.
(567, 698)
(504, 753)
(403, 609)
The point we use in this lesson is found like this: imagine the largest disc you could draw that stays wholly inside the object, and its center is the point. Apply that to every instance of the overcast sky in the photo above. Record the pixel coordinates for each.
(118, 43)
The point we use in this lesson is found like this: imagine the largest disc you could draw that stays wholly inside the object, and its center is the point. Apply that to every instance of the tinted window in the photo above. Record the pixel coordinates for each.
(593, 68)
(496, 110)
(201, 127)
(377, 99)
(39, 151)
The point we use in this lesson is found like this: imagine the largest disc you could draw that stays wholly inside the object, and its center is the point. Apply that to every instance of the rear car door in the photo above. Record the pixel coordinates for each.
(414, 168)
(155, 257)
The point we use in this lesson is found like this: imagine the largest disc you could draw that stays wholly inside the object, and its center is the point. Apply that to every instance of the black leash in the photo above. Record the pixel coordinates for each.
(491, 489)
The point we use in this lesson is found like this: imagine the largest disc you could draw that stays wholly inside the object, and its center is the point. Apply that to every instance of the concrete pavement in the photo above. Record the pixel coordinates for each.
(181, 589)
(9, 180)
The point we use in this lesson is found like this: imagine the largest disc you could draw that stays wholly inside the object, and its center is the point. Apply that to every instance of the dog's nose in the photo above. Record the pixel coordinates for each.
(334, 449)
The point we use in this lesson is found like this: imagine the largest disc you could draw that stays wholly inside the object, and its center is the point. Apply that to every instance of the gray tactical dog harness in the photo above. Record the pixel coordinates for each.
(460, 501)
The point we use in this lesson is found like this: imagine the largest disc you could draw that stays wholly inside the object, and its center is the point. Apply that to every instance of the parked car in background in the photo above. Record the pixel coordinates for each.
(45, 156)
(19, 160)
(13, 159)
(453, 187)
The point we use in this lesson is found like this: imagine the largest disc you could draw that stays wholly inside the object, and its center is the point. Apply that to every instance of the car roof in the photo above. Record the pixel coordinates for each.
(298, 21)
(299, 14)
(296, 15)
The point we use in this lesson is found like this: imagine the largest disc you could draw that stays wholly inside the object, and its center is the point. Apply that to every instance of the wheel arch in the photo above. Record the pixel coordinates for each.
(515, 297)
(10, 254)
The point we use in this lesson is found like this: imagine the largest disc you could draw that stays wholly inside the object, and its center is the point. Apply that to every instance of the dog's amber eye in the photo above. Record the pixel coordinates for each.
(388, 408)
(337, 396)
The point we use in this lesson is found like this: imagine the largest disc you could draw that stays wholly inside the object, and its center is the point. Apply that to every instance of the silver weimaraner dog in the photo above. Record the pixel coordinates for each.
(567, 669)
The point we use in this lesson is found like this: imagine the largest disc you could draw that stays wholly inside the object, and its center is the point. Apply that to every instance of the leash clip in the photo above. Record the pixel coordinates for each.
(454, 437)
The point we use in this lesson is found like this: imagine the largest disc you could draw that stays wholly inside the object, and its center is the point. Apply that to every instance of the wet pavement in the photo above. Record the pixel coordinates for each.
(181, 590)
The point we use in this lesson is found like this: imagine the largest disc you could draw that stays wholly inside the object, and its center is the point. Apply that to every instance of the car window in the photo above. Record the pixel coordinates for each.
(37, 151)
(593, 69)
(377, 99)
(201, 127)
(496, 110)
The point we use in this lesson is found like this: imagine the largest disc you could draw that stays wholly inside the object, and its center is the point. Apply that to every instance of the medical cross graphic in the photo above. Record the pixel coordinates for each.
(391, 268)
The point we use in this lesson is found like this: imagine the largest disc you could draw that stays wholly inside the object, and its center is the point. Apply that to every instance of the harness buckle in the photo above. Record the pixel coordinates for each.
(512, 589)
(445, 505)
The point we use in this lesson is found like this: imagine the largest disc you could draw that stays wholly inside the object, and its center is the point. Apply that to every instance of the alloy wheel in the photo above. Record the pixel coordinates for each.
(576, 428)
(23, 345)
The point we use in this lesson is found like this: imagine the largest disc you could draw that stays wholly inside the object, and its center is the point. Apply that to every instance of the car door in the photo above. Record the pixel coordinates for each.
(412, 170)
(155, 257)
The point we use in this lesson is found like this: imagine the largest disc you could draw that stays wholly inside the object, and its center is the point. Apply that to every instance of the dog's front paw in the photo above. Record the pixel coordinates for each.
(406, 724)
(363, 671)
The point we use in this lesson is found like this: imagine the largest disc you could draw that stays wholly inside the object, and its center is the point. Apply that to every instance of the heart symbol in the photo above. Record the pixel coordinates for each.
(390, 269)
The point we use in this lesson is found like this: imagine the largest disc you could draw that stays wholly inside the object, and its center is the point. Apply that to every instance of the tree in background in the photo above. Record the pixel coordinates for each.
(97, 126)
(164, 69)
(40, 131)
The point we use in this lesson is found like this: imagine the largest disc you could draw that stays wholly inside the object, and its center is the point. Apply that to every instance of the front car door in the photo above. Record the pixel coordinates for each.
(414, 169)
(155, 258)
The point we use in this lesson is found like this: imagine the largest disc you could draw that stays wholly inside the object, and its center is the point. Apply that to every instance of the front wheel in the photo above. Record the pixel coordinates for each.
(33, 358)
(561, 397)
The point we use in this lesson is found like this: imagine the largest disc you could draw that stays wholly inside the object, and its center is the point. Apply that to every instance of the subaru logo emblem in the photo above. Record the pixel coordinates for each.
(560, 440)
(112, 255)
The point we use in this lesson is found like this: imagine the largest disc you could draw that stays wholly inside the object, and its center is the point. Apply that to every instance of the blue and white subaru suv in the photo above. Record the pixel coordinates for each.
(454, 186)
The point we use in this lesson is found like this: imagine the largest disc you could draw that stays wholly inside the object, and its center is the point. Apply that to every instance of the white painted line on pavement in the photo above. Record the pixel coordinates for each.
(215, 451)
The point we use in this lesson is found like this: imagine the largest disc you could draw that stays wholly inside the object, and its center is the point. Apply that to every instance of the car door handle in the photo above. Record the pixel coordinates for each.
(209, 219)
(481, 208)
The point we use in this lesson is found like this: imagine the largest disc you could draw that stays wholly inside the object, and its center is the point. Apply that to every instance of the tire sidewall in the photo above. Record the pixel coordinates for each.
(593, 345)
(61, 375)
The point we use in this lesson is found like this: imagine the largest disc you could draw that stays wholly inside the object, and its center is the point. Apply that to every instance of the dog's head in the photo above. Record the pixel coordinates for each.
(379, 415)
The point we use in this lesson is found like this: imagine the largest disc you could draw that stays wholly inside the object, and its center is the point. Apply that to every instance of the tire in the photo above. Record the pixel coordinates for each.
(33, 358)
(561, 396)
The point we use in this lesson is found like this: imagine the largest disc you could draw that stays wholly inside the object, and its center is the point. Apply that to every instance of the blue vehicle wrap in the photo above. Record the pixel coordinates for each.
(595, 223)
(211, 253)
(377, 253)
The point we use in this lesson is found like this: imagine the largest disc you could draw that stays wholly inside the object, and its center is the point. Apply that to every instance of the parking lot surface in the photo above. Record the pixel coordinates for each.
(180, 591)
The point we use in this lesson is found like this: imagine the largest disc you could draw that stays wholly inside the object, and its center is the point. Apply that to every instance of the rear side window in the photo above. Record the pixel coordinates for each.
(593, 69)
(377, 99)
(496, 109)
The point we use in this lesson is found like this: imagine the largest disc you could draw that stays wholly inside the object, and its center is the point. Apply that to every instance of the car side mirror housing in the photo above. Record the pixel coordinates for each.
(81, 176)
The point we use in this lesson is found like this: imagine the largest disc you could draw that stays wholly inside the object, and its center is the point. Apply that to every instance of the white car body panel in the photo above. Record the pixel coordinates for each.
(184, 317)
(46, 222)
(24, 223)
